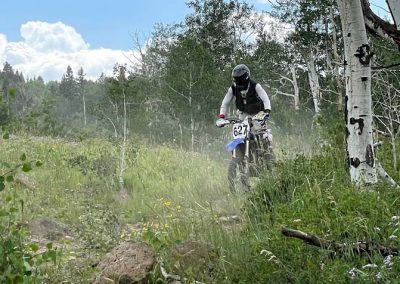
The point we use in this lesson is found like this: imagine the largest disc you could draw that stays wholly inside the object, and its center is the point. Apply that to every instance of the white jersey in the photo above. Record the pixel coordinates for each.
(261, 93)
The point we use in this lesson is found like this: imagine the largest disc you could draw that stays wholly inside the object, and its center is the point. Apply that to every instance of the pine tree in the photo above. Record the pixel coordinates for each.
(68, 86)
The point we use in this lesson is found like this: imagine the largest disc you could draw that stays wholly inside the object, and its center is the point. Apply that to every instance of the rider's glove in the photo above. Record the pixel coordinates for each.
(261, 116)
(221, 116)
(220, 122)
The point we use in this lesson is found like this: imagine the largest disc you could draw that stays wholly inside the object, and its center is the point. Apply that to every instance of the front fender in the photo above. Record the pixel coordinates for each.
(233, 144)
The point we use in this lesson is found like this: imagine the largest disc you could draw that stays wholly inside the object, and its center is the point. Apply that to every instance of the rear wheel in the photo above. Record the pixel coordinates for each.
(270, 158)
(237, 177)
(265, 156)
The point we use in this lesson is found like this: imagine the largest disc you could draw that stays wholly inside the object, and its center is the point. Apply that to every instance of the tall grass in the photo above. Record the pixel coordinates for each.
(173, 196)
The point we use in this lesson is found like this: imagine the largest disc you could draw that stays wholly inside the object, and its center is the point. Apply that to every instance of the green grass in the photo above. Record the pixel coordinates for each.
(77, 185)
(174, 196)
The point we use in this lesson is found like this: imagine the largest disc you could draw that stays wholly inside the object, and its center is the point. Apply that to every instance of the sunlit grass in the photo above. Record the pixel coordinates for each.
(171, 196)
(161, 178)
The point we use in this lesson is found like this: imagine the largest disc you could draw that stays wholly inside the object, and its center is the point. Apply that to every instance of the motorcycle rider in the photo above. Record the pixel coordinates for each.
(250, 97)
(251, 100)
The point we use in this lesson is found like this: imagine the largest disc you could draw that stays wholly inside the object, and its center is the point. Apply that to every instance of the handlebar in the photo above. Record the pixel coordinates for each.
(221, 122)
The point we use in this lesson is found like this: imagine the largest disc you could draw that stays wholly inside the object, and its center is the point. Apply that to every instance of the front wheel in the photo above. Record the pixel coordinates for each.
(237, 177)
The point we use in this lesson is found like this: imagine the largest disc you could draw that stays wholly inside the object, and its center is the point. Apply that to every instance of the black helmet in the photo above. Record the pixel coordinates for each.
(241, 76)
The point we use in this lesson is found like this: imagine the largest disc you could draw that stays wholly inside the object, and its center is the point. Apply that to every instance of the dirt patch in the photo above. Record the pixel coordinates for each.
(194, 257)
(25, 181)
(127, 263)
(49, 229)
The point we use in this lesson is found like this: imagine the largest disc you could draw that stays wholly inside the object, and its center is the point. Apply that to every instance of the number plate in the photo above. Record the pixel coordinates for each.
(239, 130)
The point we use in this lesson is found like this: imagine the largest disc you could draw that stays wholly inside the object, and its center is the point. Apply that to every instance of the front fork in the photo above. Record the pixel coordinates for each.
(247, 158)
(246, 155)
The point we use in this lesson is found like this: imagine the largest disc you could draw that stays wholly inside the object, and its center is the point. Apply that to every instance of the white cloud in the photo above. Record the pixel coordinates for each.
(48, 37)
(3, 44)
(48, 48)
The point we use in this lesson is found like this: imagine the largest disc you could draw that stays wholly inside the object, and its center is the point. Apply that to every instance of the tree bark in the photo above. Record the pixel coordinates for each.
(296, 89)
(336, 58)
(84, 110)
(358, 247)
(394, 6)
(358, 94)
(378, 26)
(123, 147)
(294, 83)
(314, 82)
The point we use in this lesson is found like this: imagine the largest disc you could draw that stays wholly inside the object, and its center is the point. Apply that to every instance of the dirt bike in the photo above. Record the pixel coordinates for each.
(251, 149)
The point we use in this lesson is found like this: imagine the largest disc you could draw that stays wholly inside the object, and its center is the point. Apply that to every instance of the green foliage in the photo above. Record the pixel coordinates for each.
(190, 70)
(174, 196)
(312, 194)
(18, 260)
(171, 195)
(98, 227)
(68, 85)
(100, 163)
(211, 24)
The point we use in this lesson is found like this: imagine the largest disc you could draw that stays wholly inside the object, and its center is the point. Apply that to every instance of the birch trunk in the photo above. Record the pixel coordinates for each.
(123, 148)
(84, 110)
(293, 82)
(394, 6)
(296, 89)
(192, 126)
(337, 59)
(358, 94)
(314, 83)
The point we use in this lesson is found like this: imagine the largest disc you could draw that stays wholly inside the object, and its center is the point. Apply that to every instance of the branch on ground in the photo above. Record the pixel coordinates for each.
(359, 247)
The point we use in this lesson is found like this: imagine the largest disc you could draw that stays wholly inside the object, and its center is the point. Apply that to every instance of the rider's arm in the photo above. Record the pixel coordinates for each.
(264, 97)
(225, 102)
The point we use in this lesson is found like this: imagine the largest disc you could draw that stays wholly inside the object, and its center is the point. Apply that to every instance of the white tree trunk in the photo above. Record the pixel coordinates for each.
(296, 89)
(314, 82)
(191, 111)
(358, 93)
(123, 148)
(336, 58)
(189, 98)
(293, 82)
(84, 110)
(394, 6)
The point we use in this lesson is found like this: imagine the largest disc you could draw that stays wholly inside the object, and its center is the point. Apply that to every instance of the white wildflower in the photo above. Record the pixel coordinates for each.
(352, 273)
(395, 218)
(378, 276)
(388, 261)
(273, 258)
(266, 252)
(269, 254)
(392, 237)
(370, 265)
(395, 221)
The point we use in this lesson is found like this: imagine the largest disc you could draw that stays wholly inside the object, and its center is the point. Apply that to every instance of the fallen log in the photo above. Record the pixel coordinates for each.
(358, 247)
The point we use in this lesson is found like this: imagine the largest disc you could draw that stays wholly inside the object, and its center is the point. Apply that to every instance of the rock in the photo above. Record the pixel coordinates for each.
(25, 181)
(127, 263)
(49, 229)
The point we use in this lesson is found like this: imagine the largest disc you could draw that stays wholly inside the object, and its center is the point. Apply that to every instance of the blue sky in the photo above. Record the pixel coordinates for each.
(43, 37)
(108, 24)
(102, 23)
